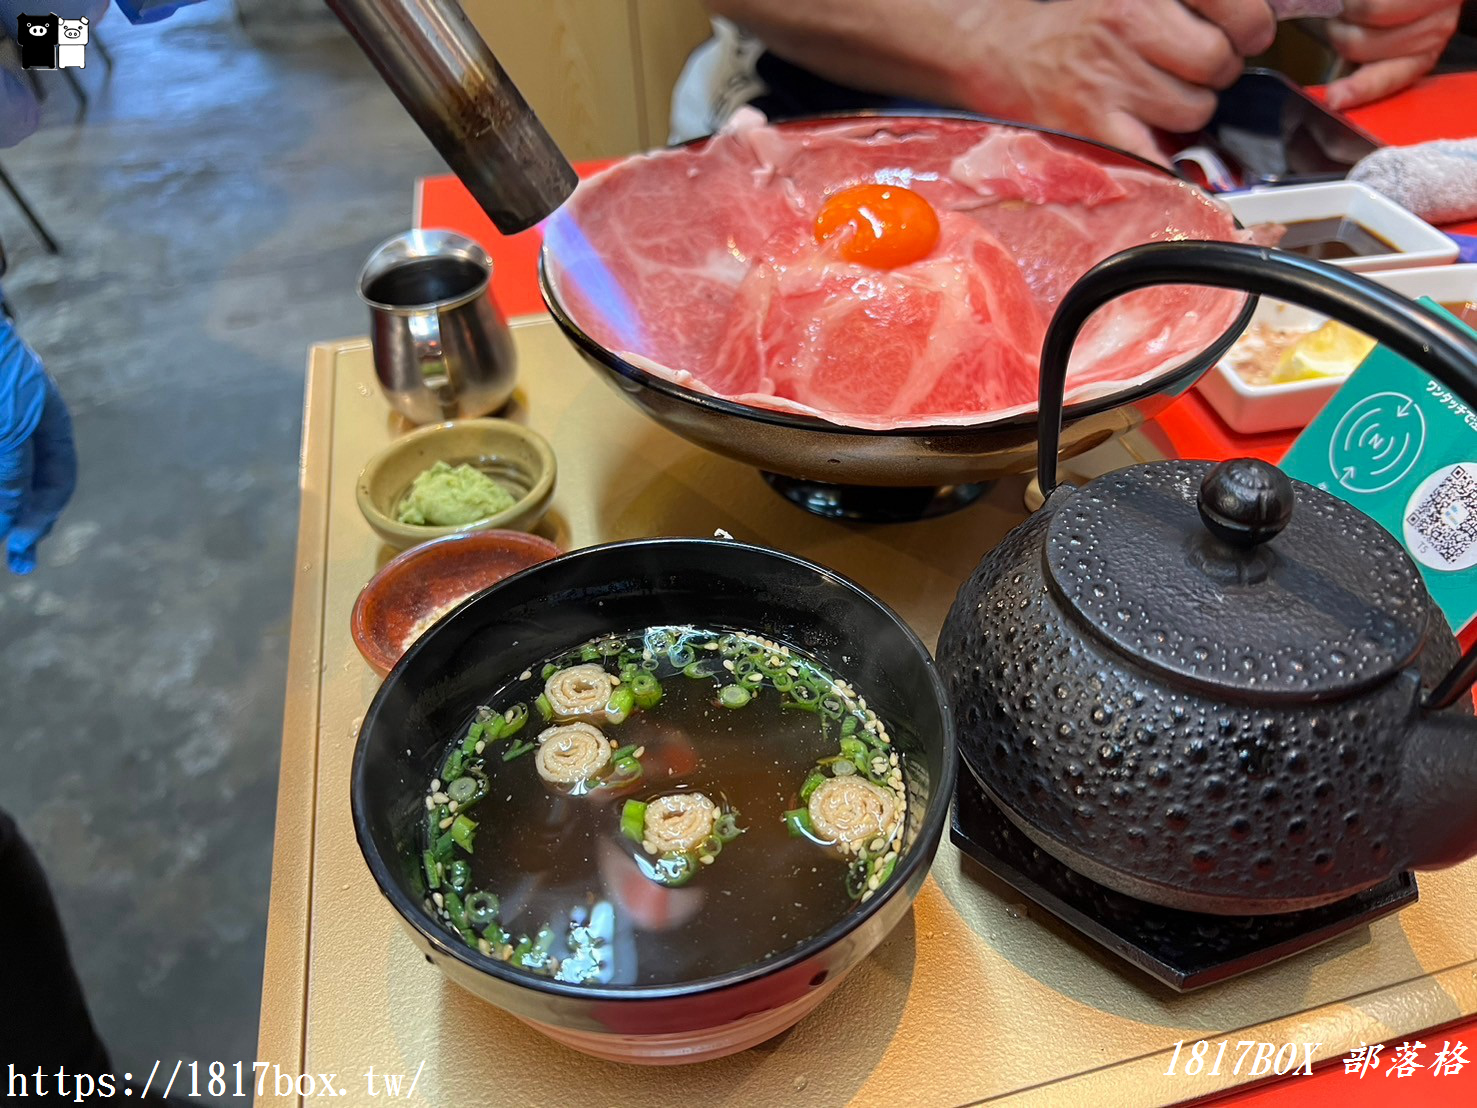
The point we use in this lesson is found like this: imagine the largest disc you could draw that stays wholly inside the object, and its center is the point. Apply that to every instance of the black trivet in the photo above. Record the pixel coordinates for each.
(1185, 950)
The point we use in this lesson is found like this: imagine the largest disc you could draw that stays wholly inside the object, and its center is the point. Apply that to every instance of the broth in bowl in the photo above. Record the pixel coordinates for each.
(661, 806)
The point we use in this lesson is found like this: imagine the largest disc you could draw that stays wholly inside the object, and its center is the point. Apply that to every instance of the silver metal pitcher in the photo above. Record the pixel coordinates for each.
(441, 346)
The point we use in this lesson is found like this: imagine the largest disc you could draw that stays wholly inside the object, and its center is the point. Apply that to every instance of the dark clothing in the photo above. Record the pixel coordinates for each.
(793, 91)
(43, 1016)
(38, 36)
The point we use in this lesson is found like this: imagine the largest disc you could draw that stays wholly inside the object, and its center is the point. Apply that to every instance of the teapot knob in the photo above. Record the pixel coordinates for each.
(1245, 501)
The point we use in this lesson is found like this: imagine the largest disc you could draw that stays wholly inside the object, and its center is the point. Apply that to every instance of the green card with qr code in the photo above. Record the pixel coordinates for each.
(1402, 448)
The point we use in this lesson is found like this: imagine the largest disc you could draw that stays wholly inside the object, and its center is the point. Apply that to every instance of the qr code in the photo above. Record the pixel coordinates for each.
(1447, 517)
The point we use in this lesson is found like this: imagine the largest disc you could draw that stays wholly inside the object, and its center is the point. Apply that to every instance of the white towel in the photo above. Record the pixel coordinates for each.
(1435, 180)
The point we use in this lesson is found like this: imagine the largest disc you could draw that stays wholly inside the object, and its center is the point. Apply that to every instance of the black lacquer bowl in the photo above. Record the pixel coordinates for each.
(495, 635)
(885, 475)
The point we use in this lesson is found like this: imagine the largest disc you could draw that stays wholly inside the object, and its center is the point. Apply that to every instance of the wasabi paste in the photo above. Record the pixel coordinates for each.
(448, 496)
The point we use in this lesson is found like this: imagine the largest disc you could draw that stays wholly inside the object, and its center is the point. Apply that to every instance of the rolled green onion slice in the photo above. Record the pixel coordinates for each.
(481, 909)
(813, 782)
(462, 789)
(646, 689)
(633, 820)
(797, 823)
(513, 721)
(727, 828)
(734, 696)
(620, 705)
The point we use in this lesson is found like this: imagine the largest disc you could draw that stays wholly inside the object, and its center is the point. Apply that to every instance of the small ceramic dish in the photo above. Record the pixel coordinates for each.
(1252, 409)
(517, 458)
(414, 590)
(1414, 241)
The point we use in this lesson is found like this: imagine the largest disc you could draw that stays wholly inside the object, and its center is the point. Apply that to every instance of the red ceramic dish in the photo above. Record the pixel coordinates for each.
(418, 587)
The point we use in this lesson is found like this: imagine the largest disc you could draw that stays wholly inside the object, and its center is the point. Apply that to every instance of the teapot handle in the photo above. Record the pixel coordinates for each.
(1441, 348)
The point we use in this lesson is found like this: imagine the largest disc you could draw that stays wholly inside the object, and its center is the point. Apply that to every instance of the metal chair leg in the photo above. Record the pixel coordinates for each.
(31, 217)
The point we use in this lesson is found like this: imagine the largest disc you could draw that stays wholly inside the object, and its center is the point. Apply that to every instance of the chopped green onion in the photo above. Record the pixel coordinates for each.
(698, 670)
(590, 653)
(813, 782)
(673, 870)
(458, 873)
(513, 721)
(734, 696)
(647, 690)
(462, 789)
(443, 846)
(726, 827)
(728, 644)
(463, 831)
(456, 910)
(549, 670)
(628, 673)
(433, 870)
(797, 823)
(849, 726)
(745, 666)
(545, 709)
(832, 706)
(454, 766)
(681, 655)
(856, 878)
(804, 697)
(751, 649)
(517, 750)
(620, 705)
(630, 659)
(651, 665)
(711, 846)
(884, 872)
(481, 908)
(782, 682)
(851, 748)
(626, 770)
(611, 647)
(624, 752)
(633, 820)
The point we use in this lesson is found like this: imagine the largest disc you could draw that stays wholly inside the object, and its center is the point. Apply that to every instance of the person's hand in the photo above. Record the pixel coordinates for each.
(38, 462)
(1113, 70)
(1393, 42)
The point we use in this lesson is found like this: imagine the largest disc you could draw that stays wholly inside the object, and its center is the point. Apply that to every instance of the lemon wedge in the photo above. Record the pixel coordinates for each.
(1334, 350)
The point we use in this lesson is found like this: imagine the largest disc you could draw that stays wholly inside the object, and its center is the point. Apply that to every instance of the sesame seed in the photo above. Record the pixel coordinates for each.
(440, 797)
(866, 896)
(706, 859)
(430, 804)
(439, 899)
(640, 750)
(483, 945)
(435, 784)
(873, 882)
(876, 845)
(893, 759)
(452, 806)
(481, 746)
(710, 646)
(447, 822)
(728, 663)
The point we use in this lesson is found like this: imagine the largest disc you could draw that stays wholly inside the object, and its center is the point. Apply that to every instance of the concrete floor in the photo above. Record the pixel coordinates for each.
(213, 210)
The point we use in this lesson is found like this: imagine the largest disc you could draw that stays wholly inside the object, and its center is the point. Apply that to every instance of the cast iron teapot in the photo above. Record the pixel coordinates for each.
(1209, 686)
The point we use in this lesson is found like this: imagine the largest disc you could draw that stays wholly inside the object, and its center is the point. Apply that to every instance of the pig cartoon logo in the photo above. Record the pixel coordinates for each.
(38, 36)
(71, 52)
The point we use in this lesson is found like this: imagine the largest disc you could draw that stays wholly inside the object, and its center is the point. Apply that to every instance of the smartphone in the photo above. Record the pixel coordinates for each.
(1269, 131)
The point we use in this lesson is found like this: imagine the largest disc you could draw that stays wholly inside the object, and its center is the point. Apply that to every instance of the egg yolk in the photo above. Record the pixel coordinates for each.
(884, 226)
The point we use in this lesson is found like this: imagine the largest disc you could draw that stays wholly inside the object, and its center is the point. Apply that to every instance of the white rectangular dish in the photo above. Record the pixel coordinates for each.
(1252, 409)
(1415, 242)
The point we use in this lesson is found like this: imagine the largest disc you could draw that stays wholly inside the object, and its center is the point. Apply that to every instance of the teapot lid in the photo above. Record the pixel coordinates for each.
(1234, 578)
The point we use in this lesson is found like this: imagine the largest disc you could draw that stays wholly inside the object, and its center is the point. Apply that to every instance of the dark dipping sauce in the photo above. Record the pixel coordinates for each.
(1333, 238)
(561, 867)
(423, 281)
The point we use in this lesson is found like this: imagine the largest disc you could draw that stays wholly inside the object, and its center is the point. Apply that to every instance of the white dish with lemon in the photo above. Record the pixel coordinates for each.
(1290, 361)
